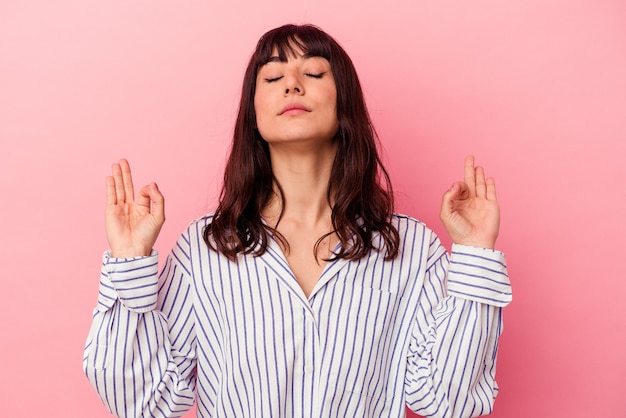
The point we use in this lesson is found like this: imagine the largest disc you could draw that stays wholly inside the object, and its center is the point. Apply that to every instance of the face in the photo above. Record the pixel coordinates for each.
(296, 101)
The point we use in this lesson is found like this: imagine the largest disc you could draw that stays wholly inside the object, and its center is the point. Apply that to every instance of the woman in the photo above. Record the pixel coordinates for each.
(303, 295)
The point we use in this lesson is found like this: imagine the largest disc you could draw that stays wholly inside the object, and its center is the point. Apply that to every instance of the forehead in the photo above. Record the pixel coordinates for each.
(285, 49)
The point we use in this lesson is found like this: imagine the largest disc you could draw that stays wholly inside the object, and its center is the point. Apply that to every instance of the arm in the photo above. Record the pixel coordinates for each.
(140, 352)
(451, 363)
(452, 355)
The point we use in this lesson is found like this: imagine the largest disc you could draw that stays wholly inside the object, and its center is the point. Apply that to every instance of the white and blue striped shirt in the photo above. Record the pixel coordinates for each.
(242, 339)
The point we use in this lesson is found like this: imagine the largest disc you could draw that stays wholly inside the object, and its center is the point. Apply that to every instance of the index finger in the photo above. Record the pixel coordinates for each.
(470, 175)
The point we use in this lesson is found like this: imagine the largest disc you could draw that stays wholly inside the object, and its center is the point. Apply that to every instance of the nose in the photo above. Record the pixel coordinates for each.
(293, 85)
(295, 90)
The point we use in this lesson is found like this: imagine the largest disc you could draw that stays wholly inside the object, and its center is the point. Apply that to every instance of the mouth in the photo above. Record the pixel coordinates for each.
(293, 109)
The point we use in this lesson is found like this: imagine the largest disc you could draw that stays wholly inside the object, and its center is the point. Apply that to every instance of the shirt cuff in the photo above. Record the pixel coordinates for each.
(480, 275)
(134, 281)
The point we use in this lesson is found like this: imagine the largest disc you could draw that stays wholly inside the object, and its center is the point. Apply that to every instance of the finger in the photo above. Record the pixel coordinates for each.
(470, 178)
(120, 194)
(127, 178)
(110, 191)
(150, 197)
(143, 198)
(458, 191)
(481, 187)
(491, 189)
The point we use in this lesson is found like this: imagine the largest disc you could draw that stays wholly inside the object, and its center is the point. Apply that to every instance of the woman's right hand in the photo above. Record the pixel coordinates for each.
(132, 227)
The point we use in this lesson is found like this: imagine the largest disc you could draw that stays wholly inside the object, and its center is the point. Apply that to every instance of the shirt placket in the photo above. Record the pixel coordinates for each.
(306, 364)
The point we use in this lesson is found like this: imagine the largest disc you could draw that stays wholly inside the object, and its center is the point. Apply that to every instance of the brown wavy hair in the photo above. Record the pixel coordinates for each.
(361, 187)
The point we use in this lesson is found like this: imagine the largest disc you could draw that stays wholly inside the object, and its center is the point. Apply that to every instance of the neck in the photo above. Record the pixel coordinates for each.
(304, 177)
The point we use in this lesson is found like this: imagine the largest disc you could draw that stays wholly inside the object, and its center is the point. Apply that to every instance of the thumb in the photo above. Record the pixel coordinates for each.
(158, 202)
(151, 198)
(455, 192)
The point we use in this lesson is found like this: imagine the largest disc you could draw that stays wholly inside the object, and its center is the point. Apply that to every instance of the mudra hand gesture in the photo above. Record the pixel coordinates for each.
(132, 226)
(470, 210)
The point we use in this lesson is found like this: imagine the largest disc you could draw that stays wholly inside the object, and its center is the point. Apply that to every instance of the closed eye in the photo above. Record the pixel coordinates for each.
(271, 80)
(318, 75)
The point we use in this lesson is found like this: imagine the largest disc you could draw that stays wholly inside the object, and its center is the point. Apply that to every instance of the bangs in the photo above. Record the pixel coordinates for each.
(289, 40)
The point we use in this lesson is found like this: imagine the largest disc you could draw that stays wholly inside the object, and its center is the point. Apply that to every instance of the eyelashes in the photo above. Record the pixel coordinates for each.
(312, 75)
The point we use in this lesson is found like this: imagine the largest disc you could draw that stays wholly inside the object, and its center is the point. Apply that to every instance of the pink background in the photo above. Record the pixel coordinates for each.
(535, 88)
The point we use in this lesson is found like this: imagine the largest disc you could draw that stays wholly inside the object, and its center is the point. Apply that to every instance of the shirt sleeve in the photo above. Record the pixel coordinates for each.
(451, 362)
(140, 351)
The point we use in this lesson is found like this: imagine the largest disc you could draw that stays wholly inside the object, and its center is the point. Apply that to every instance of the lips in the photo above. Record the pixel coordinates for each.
(294, 109)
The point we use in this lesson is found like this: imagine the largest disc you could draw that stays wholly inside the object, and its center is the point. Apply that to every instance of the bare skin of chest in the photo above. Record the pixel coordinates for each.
(305, 264)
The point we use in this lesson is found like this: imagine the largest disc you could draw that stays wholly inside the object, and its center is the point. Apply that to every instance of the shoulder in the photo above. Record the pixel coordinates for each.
(412, 230)
(196, 227)
(406, 223)
(201, 222)
(415, 236)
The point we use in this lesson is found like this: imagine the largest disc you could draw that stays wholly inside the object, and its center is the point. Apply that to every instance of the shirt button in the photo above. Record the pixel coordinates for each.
(308, 368)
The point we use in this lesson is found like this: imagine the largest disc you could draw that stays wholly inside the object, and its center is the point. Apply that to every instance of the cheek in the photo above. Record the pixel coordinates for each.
(259, 108)
(257, 104)
(331, 98)
(261, 112)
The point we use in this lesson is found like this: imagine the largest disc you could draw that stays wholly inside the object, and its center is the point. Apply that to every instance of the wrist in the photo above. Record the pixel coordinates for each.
(130, 252)
(487, 244)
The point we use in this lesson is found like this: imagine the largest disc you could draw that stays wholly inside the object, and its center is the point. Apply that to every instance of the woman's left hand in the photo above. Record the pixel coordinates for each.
(470, 210)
